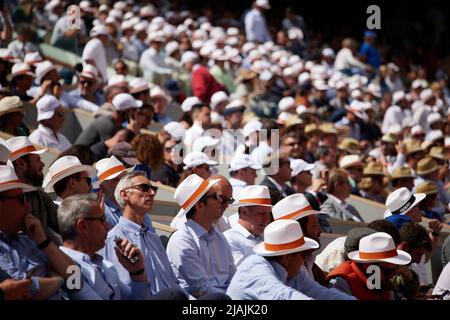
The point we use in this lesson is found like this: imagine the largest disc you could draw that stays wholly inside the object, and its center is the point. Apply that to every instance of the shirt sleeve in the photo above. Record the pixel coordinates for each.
(340, 284)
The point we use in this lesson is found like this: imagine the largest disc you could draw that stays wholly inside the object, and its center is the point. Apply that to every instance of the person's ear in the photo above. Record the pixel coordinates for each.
(125, 195)
(81, 226)
(20, 166)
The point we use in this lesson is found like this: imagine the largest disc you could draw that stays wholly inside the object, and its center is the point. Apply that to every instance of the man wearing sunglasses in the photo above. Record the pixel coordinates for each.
(26, 251)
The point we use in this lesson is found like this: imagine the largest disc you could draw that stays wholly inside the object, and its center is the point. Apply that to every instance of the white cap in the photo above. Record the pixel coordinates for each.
(426, 95)
(189, 56)
(328, 52)
(234, 106)
(195, 159)
(433, 118)
(218, 97)
(434, 135)
(52, 5)
(118, 80)
(138, 85)
(298, 166)
(398, 96)
(171, 47)
(32, 58)
(157, 91)
(417, 129)
(98, 30)
(241, 161)
(265, 75)
(175, 130)
(125, 101)
(286, 103)
(395, 129)
(189, 102)
(303, 77)
(374, 89)
(89, 71)
(46, 107)
(251, 127)
(320, 85)
(204, 142)
(350, 161)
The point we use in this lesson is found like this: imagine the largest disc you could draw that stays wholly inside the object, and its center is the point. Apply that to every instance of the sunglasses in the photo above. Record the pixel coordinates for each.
(229, 200)
(83, 82)
(20, 198)
(214, 196)
(102, 219)
(144, 187)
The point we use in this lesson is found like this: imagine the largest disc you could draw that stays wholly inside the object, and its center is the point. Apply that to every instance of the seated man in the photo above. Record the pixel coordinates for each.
(278, 260)
(377, 252)
(200, 256)
(254, 215)
(84, 229)
(25, 250)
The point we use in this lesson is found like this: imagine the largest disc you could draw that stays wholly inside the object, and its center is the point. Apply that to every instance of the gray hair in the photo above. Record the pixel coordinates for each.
(126, 182)
(71, 209)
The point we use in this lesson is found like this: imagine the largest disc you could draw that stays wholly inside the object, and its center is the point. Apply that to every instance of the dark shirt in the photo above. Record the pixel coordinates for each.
(166, 175)
(101, 129)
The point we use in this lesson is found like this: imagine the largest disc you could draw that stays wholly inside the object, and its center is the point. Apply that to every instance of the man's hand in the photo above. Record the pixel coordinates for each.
(435, 226)
(34, 229)
(318, 185)
(127, 250)
(16, 289)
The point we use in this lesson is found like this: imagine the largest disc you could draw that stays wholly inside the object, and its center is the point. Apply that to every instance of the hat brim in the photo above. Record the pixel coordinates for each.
(17, 185)
(436, 168)
(182, 212)
(248, 204)
(48, 185)
(419, 197)
(402, 258)
(309, 244)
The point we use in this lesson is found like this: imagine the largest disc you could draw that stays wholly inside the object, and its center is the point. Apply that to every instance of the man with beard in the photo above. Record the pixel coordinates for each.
(28, 166)
(378, 252)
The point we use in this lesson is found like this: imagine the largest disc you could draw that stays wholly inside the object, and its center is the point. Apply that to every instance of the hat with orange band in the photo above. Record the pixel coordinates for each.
(254, 196)
(293, 207)
(109, 168)
(379, 247)
(189, 191)
(284, 237)
(21, 146)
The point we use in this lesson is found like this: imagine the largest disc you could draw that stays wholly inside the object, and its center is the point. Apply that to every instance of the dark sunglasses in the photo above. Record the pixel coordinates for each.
(82, 82)
(102, 219)
(144, 187)
(21, 198)
(229, 200)
(214, 196)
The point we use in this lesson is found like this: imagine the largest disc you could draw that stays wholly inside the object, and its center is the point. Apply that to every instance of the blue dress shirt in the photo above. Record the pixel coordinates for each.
(241, 242)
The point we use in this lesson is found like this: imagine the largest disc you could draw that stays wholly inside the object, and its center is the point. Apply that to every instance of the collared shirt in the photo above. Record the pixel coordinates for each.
(45, 137)
(157, 265)
(256, 26)
(241, 242)
(101, 281)
(193, 133)
(19, 255)
(154, 67)
(257, 278)
(201, 260)
(74, 100)
(349, 212)
(113, 212)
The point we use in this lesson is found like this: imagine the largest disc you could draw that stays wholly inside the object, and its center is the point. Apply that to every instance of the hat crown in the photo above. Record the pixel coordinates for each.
(187, 188)
(284, 208)
(63, 163)
(349, 160)
(189, 102)
(376, 242)
(11, 102)
(374, 168)
(241, 161)
(398, 198)
(7, 174)
(427, 187)
(19, 142)
(196, 158)
(106, 164)
(401, 172)
(47, 104)
(282, 231)
(254, 192)
(125, 101)
(426, 165)
(203, 142)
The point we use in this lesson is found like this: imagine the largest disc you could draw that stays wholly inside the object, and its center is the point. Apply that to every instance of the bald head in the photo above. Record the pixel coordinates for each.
(223, 189)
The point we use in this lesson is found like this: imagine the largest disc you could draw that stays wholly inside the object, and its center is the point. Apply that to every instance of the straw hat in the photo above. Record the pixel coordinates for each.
(9, 180)
(379, 247)
(373, 169)
(427, 187)
(401, 200)
(10, 105)
(352, 160)
(402, 173)
(21, 146)
(109, 168)
(284, 237)
(293, 207)
(253, 195)
(437, 153)
(350, 145)
(62, 168)
(426, 165)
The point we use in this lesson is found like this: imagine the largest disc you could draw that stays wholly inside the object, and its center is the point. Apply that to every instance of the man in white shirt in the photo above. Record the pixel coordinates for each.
(152, 61)
(51, 120)
(94, 52)
(242, 173)
(255, 22)
(345, 59)
(201, 115)
(395, 113)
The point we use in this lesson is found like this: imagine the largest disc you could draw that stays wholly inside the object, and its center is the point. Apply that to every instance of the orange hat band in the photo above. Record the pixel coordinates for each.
(197, 192)
(284, 246)
(9, 182)
(56, 175)
(111, 171)
(24, 150)
(293, 214)
(256, 201)
(378, 255)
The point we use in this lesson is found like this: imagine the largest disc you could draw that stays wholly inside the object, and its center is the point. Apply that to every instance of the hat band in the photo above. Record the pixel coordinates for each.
(111, 171)
(378, 255)
(197, 192)
(293, 214)
(56, 175)
(406, 206)
(9, 182)
(284, 246)
(256, 201)
(88, 72)
(23, 150)
(140, 88)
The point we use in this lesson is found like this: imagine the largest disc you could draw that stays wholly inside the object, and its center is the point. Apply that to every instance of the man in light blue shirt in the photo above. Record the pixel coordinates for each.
(253, 218)
(84, 228)
(200, 256)
(134, 194)
(255, 22)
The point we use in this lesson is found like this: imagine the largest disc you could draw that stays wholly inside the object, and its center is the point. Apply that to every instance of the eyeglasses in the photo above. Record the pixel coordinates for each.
(20, 198)
(144, 187)
(229, 200)
(88, 180)
(83, 82)
(102, 218)
(214, 196)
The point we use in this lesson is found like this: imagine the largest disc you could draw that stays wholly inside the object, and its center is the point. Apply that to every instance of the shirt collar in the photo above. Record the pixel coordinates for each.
(277, 185)
(111, 205)
(237, 182)
(132, 226)
(247, 234)
(78, 255)
(199, 230)
(336, 199)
